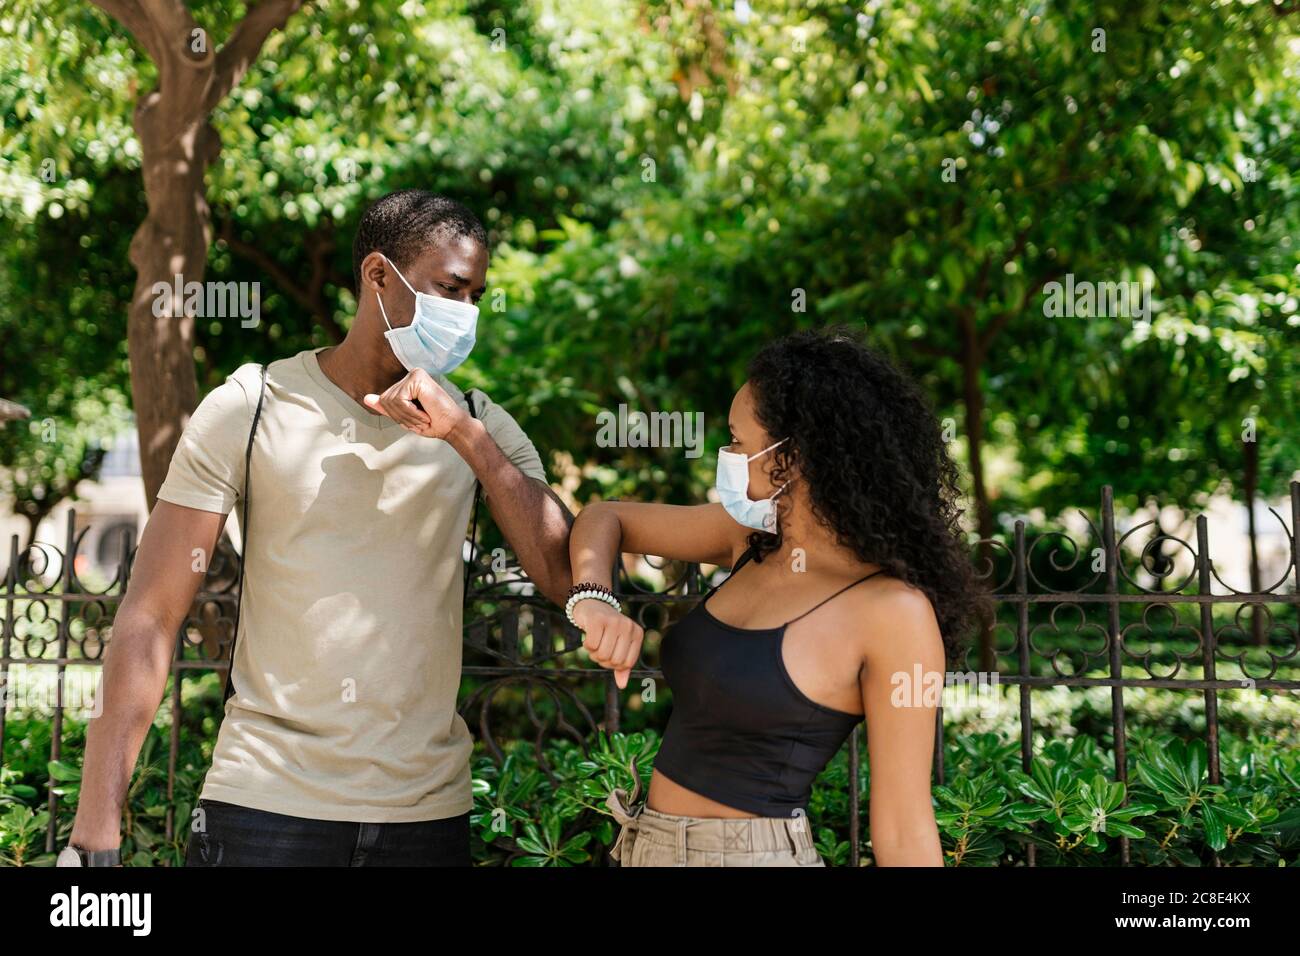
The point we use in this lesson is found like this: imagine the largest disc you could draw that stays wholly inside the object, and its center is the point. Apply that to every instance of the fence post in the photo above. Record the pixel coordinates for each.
(174, 741)
(1295, 533)
(611, 704)
(1208, 643)
(1118, 730)
(1022, 659)
(855, 798)
(6, 637)
(65, 628)
(1208, 649)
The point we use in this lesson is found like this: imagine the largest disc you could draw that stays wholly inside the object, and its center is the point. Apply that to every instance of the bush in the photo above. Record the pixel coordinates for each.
(989, 813)
(547, 807)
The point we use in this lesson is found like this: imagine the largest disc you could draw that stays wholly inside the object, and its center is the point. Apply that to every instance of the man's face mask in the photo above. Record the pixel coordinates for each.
(440, 336)
(733, 490)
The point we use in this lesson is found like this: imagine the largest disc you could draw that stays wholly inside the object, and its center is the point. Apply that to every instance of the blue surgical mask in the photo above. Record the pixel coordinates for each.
(733, 490)
(439, 338)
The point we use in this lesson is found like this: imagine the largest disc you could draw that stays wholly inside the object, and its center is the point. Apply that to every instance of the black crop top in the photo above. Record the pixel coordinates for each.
(741, 732)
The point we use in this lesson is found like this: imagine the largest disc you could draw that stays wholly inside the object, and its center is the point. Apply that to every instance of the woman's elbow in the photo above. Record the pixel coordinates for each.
(907, 843)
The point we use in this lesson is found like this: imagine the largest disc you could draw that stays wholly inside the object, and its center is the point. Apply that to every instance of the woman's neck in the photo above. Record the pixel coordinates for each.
(808, 546)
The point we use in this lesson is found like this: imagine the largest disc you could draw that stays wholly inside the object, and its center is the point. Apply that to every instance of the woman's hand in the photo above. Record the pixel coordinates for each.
(612, 639)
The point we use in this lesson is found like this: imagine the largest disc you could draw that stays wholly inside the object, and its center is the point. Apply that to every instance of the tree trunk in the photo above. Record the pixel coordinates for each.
(177, 144)
(974, 401)
(172, 240)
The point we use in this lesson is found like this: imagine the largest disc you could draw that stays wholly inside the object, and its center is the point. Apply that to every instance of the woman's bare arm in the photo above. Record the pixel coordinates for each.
(605, 529)
(700, 533)
(901, 637)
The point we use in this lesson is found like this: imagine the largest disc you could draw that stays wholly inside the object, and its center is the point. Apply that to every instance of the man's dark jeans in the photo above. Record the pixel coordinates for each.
(241, 836)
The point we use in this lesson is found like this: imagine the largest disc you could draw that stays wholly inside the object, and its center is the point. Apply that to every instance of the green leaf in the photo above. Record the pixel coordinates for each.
(1215, 830)
(61, 771)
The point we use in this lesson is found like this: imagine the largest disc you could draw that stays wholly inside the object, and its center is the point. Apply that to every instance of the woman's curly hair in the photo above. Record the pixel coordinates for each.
(865, 441)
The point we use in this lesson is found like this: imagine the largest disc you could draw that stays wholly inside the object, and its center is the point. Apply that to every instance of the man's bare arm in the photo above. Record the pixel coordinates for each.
(530, 515)
(532, 518)
(138, 659)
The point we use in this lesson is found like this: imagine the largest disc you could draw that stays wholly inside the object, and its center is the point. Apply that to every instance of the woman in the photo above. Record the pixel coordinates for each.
(850, 580)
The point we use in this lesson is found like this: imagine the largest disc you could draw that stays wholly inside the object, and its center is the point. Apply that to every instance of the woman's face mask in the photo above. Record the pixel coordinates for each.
(440, 336)
(733, 490)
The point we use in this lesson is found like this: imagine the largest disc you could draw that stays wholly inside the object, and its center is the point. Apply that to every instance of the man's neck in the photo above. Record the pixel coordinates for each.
(356, 368)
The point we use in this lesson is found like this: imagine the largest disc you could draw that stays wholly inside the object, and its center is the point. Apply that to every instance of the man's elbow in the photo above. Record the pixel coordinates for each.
(136, 665)
(559, 577)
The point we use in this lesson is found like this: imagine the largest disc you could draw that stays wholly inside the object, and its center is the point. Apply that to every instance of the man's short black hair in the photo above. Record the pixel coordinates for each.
(404, 224)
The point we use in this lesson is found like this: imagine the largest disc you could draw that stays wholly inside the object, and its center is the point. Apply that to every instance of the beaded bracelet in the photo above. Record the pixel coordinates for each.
(588, 590)
(588, 586)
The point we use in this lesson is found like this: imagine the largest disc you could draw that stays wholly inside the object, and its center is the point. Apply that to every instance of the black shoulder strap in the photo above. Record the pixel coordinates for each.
(740, 563)
(473, 531)
(835, 595)
(744, 559)
(243, 533)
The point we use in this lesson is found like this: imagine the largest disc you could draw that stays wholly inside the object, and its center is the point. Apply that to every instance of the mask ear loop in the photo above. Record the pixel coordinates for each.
(764, 452)
(787, 481)
(399, 274)
(382, 310)
(767, 449)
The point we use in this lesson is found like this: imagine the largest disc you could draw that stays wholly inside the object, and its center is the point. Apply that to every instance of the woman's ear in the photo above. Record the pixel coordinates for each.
(776, 470)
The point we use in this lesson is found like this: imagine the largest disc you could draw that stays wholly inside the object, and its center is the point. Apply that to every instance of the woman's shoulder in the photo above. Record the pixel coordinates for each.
(887, 609)
(898, 595)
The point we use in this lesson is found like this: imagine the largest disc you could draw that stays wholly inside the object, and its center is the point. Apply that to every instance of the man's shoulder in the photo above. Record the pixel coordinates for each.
(450, 387)
(285, 372)
(237, 396)
(247, 378)
(506, 431)
(462, 396)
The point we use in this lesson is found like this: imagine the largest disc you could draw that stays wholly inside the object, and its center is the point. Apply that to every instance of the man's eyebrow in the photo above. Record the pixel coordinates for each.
(460, 278)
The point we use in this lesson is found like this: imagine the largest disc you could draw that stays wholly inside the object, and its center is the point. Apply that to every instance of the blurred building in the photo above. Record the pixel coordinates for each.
(107, 510)
(12, 411)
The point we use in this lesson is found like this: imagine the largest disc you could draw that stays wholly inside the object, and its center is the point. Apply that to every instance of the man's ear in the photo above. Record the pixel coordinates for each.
(374, 272)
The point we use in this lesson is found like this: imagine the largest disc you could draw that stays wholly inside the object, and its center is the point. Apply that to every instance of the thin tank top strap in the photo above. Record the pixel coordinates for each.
(740, 562)
(834, 596)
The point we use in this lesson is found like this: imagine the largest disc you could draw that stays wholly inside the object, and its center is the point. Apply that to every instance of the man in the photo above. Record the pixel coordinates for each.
(341, 744)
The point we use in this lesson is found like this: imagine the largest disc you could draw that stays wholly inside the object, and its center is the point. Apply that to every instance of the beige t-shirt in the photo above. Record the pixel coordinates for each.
(348, 661)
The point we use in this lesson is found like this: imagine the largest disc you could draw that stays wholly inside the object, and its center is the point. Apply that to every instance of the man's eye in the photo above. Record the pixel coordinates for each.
(449, 288)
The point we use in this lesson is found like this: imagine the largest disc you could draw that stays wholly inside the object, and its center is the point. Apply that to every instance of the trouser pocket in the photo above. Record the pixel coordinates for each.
(226, 834)
(202, 848)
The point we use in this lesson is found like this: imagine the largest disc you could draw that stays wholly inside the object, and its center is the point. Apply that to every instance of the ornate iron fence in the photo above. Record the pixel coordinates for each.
(514, 639)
